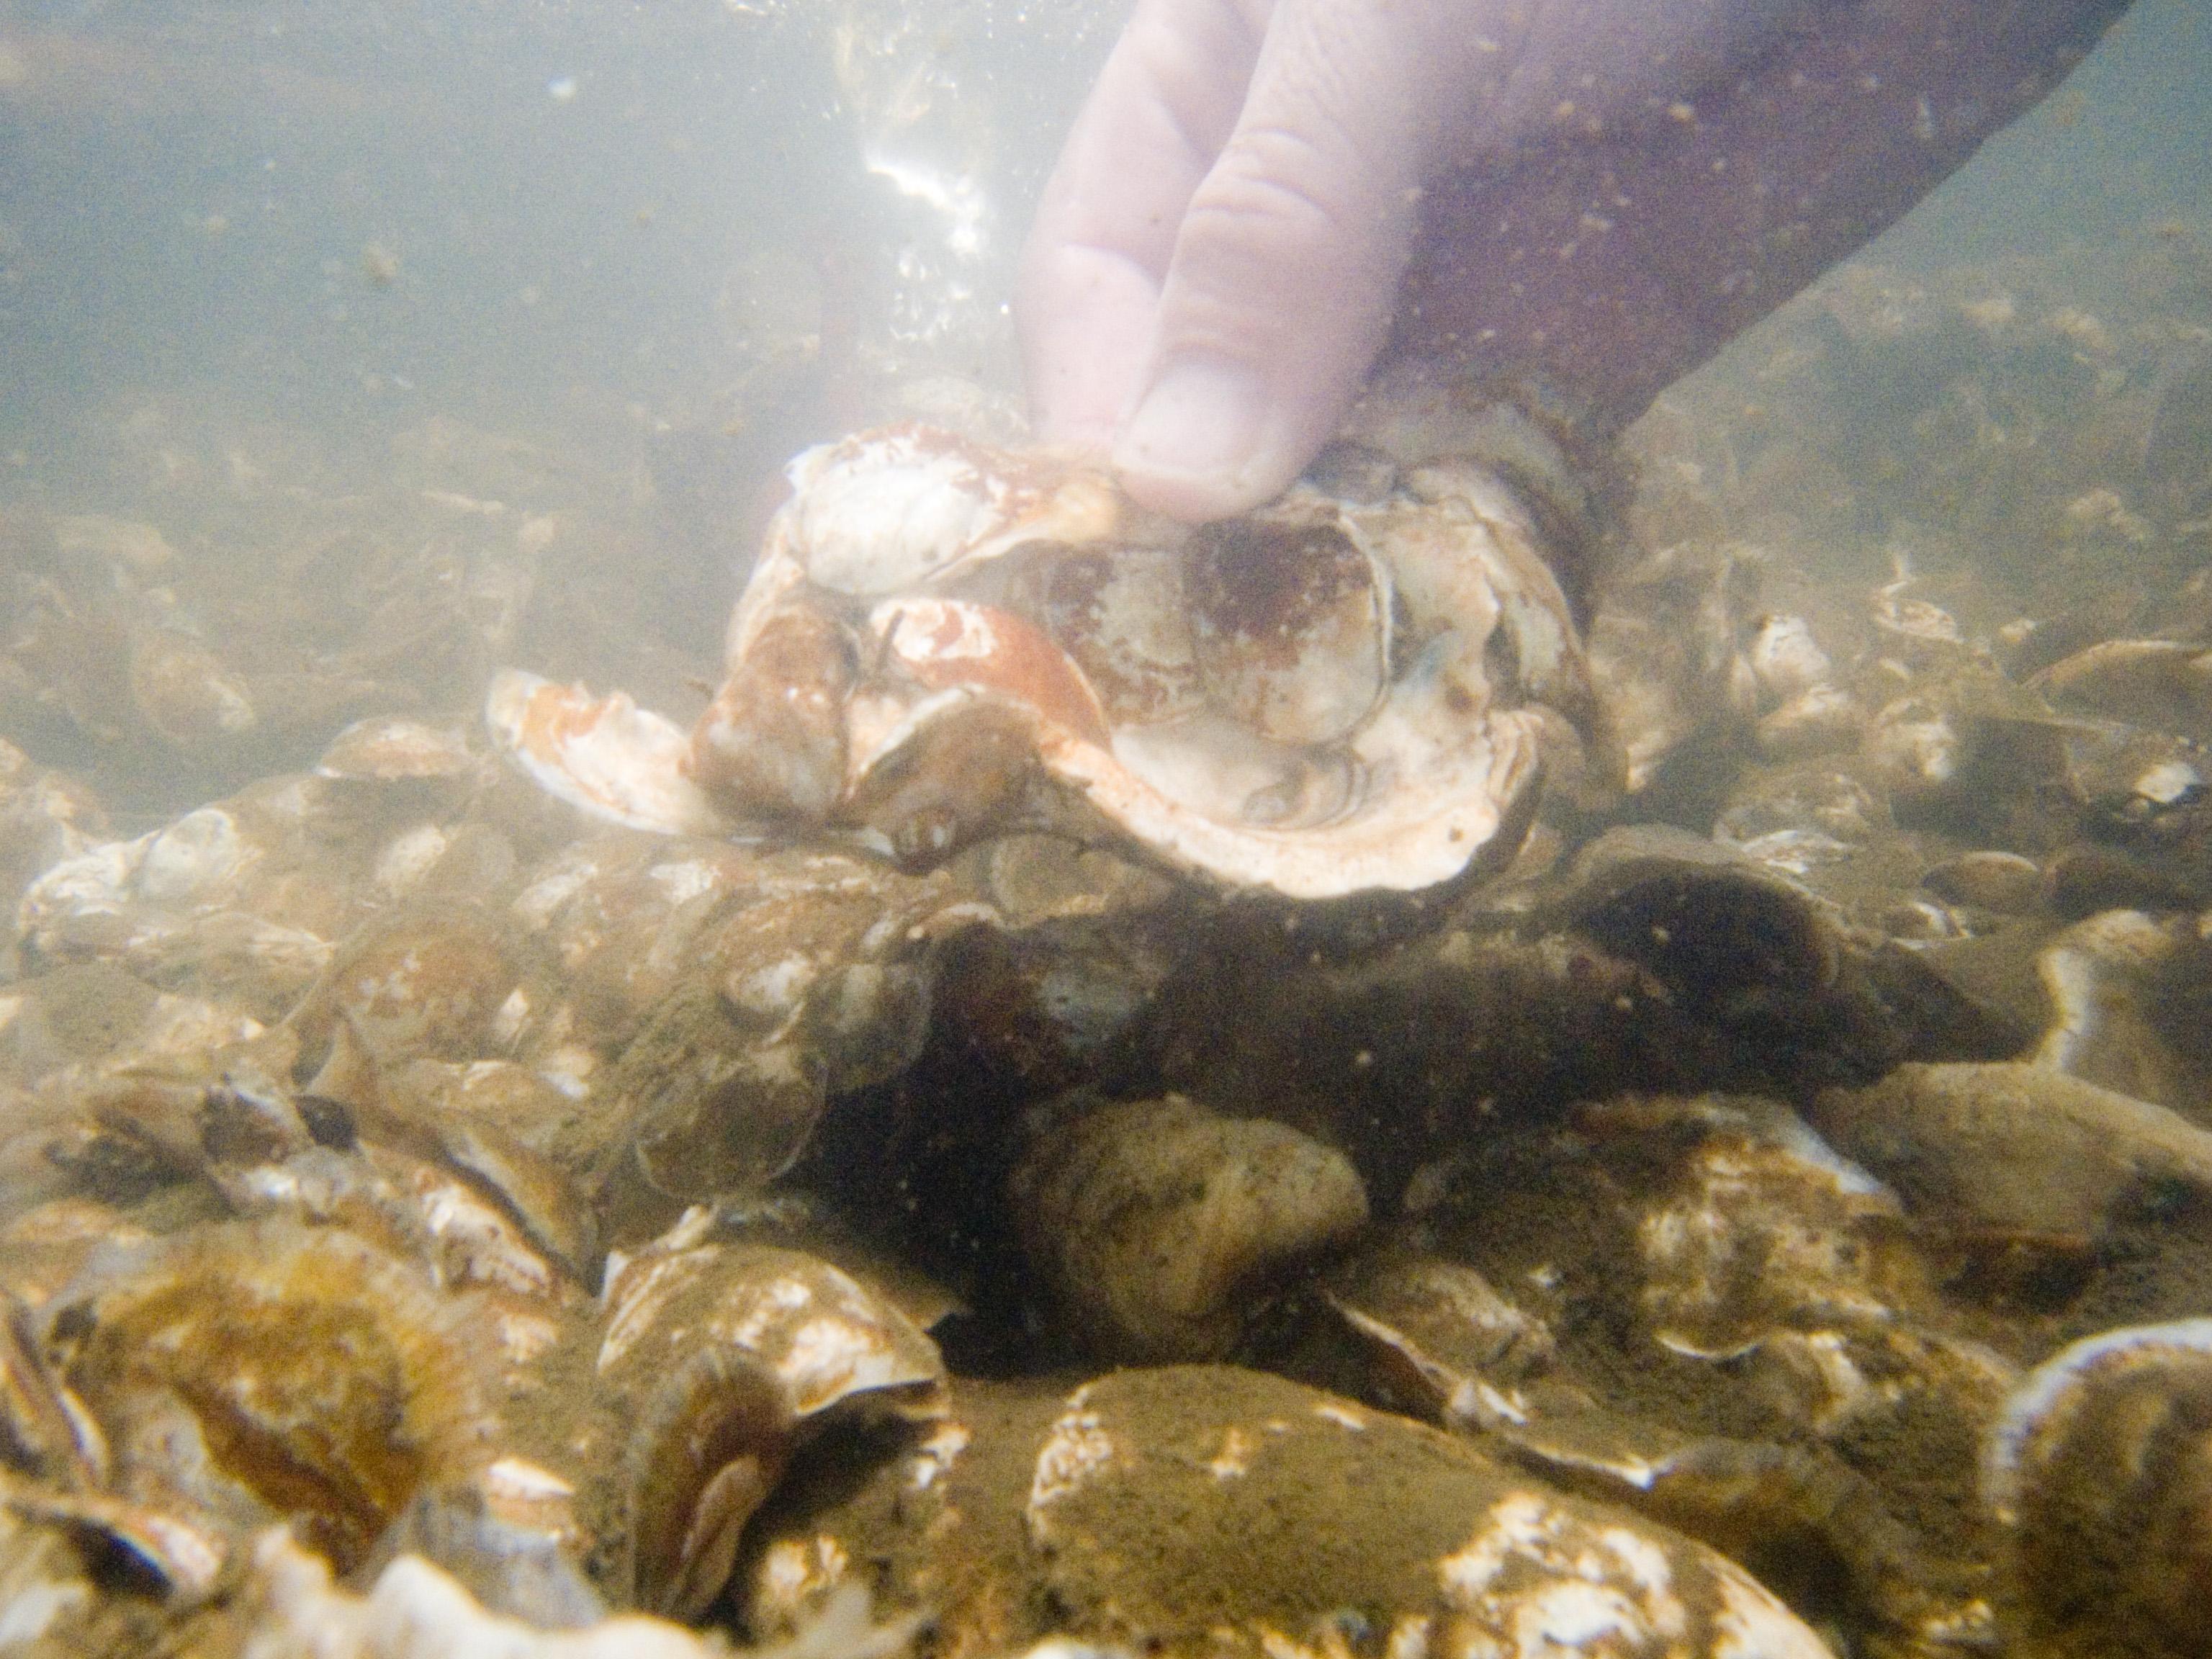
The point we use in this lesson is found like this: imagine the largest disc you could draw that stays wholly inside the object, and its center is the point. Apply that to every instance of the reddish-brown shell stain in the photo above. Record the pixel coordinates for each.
(949, 642)
(1269, 585)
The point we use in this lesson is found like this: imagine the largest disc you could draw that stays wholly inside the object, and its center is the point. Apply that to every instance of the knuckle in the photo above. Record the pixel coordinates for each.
(1279, 184)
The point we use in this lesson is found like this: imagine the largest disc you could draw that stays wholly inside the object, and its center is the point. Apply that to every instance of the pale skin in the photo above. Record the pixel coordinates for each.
(1594, 192)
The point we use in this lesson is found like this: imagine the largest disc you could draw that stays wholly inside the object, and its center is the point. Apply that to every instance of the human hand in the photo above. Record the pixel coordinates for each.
(1612, 189)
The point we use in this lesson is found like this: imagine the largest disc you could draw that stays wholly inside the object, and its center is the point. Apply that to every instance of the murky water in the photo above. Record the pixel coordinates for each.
(932, 1203)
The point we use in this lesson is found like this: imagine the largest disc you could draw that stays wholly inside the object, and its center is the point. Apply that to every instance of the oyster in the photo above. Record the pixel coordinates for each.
(2095, 1474)
(1155, 1222)
(414, 1610)
(2019, 1148)
(252, 1373)
(941, 642)
(1195, 1510)
(731, 1356)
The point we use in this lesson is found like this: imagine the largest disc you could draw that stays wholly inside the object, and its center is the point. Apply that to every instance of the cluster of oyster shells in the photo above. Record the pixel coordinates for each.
(941, 641)
(945, 1155)
(184, 668)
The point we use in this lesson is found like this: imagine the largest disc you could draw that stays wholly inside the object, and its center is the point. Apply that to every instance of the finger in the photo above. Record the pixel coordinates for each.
(1087, 294)
(1279, 292)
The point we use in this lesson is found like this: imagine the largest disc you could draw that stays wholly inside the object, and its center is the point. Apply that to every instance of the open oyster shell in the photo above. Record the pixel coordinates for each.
(942, 641)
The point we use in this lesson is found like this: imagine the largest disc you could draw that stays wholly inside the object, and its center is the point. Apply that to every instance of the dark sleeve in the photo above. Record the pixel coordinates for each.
(1598, 271)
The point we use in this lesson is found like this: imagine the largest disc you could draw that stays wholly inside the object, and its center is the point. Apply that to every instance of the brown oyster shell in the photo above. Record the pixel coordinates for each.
(2099, 1472)
(1205, 1509)
(1158, 1222)
(2014, 1148)
(320, 1378)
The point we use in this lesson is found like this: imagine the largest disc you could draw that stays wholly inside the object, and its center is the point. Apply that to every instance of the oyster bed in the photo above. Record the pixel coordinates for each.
(1755, 1198)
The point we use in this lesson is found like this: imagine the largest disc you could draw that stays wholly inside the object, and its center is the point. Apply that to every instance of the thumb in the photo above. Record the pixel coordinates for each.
(1279, 289)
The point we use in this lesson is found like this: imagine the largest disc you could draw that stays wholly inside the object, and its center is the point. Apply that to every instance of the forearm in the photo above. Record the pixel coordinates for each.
(1604, 269)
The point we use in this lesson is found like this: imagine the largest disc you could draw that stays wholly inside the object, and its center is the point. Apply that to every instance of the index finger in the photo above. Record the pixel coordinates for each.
(1087, 291)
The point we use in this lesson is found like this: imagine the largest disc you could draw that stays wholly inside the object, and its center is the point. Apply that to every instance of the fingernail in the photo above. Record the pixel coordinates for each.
(1203, 419)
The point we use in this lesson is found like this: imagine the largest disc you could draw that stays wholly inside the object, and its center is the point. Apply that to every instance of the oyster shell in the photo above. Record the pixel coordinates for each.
(1449, 1348)
(413, 1611)
(734, 1355)
(252, 1373)
(2014, 1148)
(942, 641)
(2096, 1472)
(1202, 1509)
(1155, 1222)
